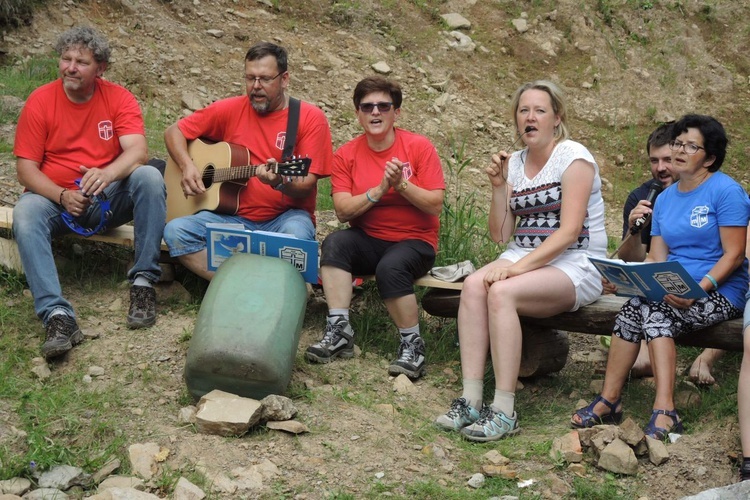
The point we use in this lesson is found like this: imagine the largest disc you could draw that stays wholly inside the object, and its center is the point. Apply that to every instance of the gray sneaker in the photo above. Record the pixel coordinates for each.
(62, 334)
(459, 416)
(142, 312)
(410, 359)
(337, 342)
(491, 426)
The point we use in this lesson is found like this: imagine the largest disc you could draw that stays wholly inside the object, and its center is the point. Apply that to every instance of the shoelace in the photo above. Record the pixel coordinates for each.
(141, 298)
(458, 408)
(407, 352)
(330, 335)
(485, 416)
(57, 327)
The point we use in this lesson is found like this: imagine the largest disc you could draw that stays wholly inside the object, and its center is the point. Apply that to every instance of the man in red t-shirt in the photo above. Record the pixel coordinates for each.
(388, 184)
(80, 139)
(257, 121)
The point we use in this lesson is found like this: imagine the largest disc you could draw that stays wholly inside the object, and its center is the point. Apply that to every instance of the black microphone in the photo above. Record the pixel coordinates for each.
(653, 191)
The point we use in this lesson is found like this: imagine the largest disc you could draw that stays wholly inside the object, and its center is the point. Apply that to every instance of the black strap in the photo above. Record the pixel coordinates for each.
(291, 129)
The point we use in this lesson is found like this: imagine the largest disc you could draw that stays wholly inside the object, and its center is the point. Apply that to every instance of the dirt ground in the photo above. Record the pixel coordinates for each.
(165, 54)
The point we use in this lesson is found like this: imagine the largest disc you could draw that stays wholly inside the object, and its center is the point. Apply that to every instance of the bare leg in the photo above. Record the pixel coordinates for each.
(337, 287)
(197, 263)
(403, 310)
(743, 395)
(642, 365)
(700, 371)
(473, 330)
(664, 357)
(622, 356)
(543, 292)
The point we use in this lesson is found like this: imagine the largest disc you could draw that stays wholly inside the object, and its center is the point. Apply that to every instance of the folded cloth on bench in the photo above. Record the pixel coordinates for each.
(454, 272)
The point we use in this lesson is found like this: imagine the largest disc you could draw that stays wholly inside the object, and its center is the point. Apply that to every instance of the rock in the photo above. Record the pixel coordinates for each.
(191, 101)
(503, 471)
(567, 447)
(290, 426)
(433, 450)
(385, 409)
(630, 432)
(277, 407)
(123, 494)
(496, 458)
(187, 415)
(172, 292)
(476, 481)
(251, 478)
(96, 371)
(185, 490)
(63, 477)
(226, 414)
(11, 104)
(617, 457)
(15, 486)
(521, 25)
(381, 67)
(106, 470)
(461, 42)
(737, 491)
(45, 494)
(577, 469)
(219, 482)
(403, 385)
(143, 459)
(657, 451)
(456, 21)
(41, 371)
(215, 33)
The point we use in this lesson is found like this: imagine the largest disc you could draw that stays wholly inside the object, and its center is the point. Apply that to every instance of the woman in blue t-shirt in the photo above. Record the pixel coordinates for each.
(700, 221)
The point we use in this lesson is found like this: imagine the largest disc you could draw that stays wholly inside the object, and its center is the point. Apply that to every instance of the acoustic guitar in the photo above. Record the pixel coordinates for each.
(225, 169)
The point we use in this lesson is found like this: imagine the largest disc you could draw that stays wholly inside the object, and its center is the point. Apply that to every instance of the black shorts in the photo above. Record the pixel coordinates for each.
(395, 264)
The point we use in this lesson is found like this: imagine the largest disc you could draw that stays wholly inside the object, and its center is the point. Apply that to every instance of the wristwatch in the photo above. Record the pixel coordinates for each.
(402, 187)
(279, 186)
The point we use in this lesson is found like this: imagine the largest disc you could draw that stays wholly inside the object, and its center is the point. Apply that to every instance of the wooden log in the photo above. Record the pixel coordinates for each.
(544, 351)
(440, 302)
(597, 318)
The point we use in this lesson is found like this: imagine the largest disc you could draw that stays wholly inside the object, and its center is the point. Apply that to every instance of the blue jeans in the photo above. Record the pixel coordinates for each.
(36, 220)
(186, 235)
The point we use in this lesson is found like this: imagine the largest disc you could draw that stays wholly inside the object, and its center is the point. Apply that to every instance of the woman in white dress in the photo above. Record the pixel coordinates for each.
(547, 204)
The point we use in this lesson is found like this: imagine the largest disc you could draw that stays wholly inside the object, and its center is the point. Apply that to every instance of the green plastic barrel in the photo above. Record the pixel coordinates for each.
(248, 328)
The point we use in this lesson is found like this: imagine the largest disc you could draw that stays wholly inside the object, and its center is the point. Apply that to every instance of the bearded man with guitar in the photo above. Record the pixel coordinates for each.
(80, 148)
(250, 131)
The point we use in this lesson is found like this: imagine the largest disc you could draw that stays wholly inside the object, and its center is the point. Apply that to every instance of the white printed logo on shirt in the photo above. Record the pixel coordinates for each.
(106, 130)
(699, 216)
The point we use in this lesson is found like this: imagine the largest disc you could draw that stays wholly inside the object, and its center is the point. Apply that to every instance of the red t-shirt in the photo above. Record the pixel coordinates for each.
(357, 168)
(234, 120)
(62, 135)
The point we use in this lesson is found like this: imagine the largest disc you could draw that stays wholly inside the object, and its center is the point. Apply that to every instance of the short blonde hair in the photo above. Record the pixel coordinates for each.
(558, 105)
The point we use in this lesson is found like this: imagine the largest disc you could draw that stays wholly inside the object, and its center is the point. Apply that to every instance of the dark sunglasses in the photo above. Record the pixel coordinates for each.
(383, 107)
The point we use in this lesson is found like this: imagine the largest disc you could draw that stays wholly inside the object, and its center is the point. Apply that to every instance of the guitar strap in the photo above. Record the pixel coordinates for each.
(291, 129)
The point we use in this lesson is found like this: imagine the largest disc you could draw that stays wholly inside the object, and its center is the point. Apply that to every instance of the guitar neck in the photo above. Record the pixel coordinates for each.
(235, 173)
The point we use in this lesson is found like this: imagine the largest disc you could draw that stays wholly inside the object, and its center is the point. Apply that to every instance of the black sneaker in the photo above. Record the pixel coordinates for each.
(410, 360)
(337, 342)
(142, 312)
(745, 470)
(62, 334)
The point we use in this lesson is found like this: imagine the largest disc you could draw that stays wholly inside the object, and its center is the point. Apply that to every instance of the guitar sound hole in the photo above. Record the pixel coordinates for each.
(208, 175)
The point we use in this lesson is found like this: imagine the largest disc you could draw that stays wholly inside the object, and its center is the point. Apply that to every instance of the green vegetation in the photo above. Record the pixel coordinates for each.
(18, 12)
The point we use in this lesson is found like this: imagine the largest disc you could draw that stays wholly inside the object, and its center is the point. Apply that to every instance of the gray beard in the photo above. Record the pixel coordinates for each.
(261, 109)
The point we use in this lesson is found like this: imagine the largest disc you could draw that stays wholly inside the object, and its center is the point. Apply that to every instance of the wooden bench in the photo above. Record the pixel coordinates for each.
(9, 257)
(545, 342)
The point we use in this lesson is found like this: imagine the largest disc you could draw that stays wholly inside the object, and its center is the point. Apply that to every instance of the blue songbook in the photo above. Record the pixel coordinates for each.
(652, 280)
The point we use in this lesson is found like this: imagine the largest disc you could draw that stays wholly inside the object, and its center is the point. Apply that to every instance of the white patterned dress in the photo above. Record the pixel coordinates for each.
(536, 203)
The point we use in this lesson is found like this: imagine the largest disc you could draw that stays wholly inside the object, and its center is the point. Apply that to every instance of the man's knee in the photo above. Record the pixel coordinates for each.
(147, 177)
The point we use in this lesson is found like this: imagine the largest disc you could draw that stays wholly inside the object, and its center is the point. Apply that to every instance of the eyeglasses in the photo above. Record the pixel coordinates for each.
(689, 147)
(263, 80)
(368, 107)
